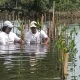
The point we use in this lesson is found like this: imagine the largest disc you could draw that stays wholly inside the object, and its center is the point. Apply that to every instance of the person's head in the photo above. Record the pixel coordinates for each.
(33, 27)
(7, 26)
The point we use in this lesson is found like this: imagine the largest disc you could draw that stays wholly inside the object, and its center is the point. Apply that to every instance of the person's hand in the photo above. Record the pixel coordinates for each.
(15, 41)
(20, 41)
(45, 41)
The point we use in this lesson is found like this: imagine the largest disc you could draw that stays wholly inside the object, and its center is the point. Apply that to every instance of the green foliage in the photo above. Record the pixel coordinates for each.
(67, 42)
(19, 28)
(39, 25)
(19, 22)
(2, 2)
(40, 5)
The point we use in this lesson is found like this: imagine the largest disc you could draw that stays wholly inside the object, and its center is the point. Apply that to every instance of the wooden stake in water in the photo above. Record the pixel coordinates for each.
(65, 65)
(65, 61)
(22, 32)
(42, 19)
(53, 28)
(13, 19)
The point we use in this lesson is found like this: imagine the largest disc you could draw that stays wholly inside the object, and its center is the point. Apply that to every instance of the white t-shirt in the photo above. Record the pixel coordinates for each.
(8, 38)
(35, 38)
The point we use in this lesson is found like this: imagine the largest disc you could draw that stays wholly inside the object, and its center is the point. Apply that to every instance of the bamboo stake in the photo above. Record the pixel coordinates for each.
(53, 27)
(22, 32)
(65, 65)
(42, 19)
(13, 19)
(56, 32)
(49, 27)
(65, 61)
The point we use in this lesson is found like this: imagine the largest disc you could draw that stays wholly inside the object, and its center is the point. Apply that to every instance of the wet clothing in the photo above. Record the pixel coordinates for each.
(35, 38)
(8, 38)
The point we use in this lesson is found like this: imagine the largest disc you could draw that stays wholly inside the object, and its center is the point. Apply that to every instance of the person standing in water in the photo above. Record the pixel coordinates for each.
(36, 36)
(8, 37)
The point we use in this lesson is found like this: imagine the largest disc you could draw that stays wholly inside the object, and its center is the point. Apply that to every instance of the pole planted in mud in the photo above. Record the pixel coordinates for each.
(53, 23)
(22, 33)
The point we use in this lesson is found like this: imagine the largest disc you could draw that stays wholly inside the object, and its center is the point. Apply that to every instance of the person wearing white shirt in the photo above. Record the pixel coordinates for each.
(6, 36)
(36, 36)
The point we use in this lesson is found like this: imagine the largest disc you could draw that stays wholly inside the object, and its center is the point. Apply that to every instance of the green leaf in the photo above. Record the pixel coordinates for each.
(38, 25)
(19, 28)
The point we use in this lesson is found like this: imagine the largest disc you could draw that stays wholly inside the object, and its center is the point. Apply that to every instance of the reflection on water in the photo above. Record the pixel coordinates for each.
(31, 63)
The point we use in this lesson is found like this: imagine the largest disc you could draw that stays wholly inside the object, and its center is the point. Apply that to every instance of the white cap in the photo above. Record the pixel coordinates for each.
(32, 24)
(8, 23)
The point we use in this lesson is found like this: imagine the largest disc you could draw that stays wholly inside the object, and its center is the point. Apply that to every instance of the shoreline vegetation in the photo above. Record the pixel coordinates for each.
(60, 16)
(33, 9)
(57, 15)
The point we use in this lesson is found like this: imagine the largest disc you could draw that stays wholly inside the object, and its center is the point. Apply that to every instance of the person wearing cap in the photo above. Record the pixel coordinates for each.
(36, 36)
(6, 36)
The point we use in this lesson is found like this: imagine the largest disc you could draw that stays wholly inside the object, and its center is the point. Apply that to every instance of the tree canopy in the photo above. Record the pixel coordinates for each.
(39, 5)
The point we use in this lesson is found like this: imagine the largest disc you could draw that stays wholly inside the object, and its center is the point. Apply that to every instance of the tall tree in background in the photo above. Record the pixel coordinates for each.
(40, 5)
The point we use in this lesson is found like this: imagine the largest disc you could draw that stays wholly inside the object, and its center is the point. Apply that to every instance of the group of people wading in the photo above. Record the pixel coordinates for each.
(32, 36)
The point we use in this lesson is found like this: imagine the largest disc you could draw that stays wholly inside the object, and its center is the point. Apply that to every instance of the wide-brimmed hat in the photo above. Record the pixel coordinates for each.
(8, 23)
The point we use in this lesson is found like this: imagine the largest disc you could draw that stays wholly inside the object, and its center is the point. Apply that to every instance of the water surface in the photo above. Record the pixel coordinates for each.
(33, 62)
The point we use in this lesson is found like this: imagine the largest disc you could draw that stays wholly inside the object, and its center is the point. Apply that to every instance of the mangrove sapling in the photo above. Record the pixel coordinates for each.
(67, 42)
